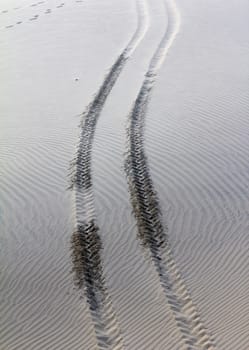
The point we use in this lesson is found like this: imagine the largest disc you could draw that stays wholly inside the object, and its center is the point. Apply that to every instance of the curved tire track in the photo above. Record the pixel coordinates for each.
(86, 243)
(147, 209)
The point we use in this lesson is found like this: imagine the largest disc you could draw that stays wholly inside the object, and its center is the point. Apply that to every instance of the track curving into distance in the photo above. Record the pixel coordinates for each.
(86, 243)
(146, 206)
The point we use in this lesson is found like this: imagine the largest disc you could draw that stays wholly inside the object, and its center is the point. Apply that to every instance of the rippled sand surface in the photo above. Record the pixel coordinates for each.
(124, 175)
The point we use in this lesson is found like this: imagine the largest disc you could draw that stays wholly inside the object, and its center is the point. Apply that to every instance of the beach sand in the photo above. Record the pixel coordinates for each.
(124, 192)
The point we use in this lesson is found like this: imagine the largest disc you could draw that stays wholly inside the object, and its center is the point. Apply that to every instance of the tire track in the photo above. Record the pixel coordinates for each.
(147, 209)
(86, 243)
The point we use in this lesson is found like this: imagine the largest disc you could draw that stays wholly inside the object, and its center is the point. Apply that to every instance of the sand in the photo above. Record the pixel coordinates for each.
(124, 175)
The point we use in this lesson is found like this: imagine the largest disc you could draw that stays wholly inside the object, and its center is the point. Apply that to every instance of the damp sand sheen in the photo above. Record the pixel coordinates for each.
(124, 166)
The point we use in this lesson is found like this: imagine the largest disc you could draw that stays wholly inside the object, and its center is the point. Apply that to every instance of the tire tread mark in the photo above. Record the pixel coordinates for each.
(146, 207)
(86, 243)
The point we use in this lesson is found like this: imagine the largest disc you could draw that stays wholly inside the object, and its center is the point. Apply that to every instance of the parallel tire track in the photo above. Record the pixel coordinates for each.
(86, 242)
(147, 210)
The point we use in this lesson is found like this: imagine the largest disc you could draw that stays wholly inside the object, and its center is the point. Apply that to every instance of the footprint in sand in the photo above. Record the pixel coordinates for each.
(34, 18)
